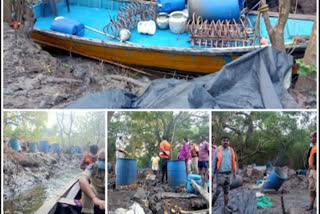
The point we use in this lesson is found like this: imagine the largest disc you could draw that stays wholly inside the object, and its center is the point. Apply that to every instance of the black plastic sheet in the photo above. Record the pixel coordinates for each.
(241, 201)
(254, 80)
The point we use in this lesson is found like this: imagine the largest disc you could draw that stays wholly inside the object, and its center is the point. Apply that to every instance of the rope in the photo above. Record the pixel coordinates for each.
(261, 9)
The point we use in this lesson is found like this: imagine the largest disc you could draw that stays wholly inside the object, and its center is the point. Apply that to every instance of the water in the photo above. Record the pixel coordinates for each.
(32, 199)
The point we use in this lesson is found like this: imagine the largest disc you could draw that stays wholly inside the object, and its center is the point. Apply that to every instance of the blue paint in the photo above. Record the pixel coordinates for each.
(99, 17)
(227, 59)
(126, 171)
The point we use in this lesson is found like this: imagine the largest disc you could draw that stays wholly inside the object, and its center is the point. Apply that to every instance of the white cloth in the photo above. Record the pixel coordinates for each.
(119, 145)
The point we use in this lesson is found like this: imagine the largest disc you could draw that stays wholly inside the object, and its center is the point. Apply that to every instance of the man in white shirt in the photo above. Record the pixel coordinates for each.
(120, 152)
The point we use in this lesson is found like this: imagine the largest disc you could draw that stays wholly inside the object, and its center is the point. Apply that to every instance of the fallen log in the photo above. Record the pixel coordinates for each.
(205, 211)
(177, 195)
(203, 191)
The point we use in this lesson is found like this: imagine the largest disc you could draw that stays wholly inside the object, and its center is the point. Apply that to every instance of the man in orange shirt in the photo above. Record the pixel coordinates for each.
(165, 155)
(312, 171)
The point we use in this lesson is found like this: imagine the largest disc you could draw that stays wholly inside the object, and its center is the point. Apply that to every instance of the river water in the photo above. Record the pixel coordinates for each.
(32, 199)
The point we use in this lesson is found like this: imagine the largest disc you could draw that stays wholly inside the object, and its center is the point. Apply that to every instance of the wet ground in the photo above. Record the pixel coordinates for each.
(32, 199)
(152, 197)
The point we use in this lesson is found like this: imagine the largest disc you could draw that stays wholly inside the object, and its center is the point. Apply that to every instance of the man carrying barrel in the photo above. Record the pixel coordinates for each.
(165, 155)
(223, 165)
(312, 170)
(92, 184)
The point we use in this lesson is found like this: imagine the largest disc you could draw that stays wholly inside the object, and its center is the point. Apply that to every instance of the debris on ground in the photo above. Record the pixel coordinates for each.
(251, 175)
(153, 196)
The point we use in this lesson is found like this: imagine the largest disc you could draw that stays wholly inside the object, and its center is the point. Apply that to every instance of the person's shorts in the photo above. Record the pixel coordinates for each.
(223, 182)
(154, 168)
(312, 180)
(203, 164)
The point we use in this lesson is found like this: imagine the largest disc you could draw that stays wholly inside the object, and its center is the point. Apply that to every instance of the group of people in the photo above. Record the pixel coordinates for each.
(92, 180)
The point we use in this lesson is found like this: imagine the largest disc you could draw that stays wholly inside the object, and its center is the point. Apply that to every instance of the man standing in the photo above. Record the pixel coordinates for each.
(165, 154)
(120, 152)
(224, 164)
(92, 184)
(184, 153)
(155, 163)
(194, 155)
(312, 170)
(203, 163)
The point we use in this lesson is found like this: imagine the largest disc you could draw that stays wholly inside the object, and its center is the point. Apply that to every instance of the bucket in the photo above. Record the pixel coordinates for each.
(176, 173)
(126, 171)
(170, 5)
(44, 146)
(236, 182)
(14, 143)
(215, 9)
(275, 179)
(55, 147)
(197, 179)
(32, 147)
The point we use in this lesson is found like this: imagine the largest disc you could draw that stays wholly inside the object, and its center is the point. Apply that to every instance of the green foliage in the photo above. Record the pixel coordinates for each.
(305, 69)
(143, 131)
(258, 137)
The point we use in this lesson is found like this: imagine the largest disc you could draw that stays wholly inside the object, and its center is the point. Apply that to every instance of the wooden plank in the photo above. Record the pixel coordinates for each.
(291, 16)
(67, 201)
(50, 206)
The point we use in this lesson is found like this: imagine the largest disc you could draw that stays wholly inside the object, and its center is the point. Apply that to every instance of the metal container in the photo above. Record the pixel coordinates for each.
(177, 22)
(163, 21)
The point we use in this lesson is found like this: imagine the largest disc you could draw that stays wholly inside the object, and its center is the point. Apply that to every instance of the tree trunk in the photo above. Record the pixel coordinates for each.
(276, 33)
(310, 56)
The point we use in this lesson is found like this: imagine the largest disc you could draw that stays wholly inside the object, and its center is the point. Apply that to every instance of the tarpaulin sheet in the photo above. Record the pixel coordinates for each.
(241, 201)
(254, 80)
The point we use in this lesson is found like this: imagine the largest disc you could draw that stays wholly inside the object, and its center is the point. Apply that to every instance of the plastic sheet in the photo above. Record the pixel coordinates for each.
(255, 80)
(241, 201)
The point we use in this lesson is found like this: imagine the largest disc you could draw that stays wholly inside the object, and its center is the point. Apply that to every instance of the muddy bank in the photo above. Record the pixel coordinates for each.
(22, 170)
(33, 78)
(153, 197)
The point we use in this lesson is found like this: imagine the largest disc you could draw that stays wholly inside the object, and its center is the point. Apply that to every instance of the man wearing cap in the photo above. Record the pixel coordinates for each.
(224, 164)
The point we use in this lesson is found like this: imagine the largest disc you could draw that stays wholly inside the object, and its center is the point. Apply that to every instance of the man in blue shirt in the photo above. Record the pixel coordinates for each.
(223, 165)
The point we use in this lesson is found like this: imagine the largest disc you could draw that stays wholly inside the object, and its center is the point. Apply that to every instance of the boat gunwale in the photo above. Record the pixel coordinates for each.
(170, 50)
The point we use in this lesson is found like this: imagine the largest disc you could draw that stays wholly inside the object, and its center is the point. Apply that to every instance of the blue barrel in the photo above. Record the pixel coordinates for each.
(215, 9)
(253, 164)
(55, 147)
(197, 179)
(275, 179)
(126, 171)
(268, 164)
(169, 6)
(44, 146)
(32, 147)
(68, 26)
(176, 173)
(14, 143)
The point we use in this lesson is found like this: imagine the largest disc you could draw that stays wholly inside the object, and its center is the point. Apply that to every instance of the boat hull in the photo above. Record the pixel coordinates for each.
(180, 59)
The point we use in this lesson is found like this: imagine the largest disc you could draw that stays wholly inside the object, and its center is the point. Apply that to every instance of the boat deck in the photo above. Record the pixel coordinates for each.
(97, 18)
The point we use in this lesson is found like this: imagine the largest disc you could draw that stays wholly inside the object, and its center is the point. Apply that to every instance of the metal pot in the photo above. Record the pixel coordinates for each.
(177, 22)
(163, 20)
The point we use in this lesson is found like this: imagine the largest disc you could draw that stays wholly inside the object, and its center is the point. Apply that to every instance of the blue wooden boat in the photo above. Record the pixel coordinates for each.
(163, 50)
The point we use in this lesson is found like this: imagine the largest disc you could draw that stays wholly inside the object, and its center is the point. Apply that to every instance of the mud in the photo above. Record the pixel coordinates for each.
(148, 194)
(22, 170)
(35, 78)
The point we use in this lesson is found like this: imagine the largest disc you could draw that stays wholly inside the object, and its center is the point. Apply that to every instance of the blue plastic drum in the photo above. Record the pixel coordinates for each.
(177, 173)
(126, 171)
